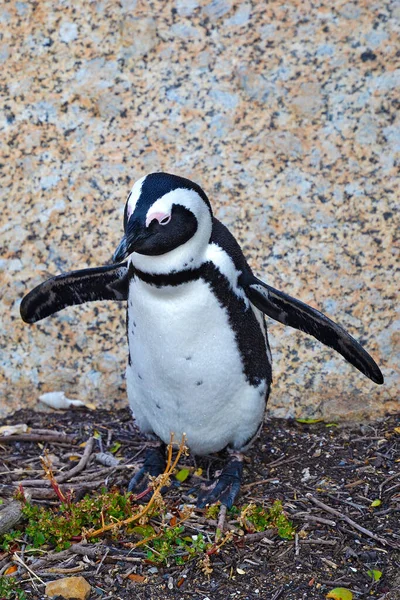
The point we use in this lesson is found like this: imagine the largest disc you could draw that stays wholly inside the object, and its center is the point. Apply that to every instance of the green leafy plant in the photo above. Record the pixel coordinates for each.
(9, 589)
(59, 527)
(212, 511)
(259, 518)
(172, 545)
(8, 539)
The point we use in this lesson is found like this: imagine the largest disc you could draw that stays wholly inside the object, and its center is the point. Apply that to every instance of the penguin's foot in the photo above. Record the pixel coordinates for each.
(225, 487)
(154, 465)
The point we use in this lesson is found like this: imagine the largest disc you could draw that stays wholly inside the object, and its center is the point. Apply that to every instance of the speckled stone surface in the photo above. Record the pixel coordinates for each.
(286, 113)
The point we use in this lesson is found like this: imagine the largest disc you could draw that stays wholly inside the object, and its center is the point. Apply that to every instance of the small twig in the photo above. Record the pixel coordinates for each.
(282, 554)
(102, 473)
(387, 480)
(119, 557)
(358, 507)
(335, 512)
(369, 438)
(61, 435)
(256, 537)
(28, 483)
(92, 551)
(81, 464)
(248, 486)
(320, 520)
(388, 595)
(98, 474)
(277, 594)
(19, 560)
(332, 583)
(102, 560)
(328, 562)
(281, 461)
(30, 437)
(296, 545)
(319, 542)
(348, 486)
(48, 493)
(62, 571)
(16, 472)
(394, 487)
(221, 521)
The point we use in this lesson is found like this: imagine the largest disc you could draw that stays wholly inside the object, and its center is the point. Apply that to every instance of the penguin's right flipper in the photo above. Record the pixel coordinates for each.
(77, 287)
(296, 314)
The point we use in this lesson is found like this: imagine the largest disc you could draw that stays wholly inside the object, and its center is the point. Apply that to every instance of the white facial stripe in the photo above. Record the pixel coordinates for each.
(135, 195)
(226, 266)
(184, 197)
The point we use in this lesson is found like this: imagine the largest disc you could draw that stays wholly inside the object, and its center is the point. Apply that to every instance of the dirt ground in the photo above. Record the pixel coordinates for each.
(326, 475)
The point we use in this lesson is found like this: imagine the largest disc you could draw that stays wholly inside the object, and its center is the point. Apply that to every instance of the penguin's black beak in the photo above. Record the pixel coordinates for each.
(121, 251)
(134, 236)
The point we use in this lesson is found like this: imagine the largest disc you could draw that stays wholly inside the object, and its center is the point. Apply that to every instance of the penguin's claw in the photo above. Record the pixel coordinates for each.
(223, 488)
(154, 465)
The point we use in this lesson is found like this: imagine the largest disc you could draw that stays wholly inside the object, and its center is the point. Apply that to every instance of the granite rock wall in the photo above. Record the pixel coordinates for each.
(286, 113)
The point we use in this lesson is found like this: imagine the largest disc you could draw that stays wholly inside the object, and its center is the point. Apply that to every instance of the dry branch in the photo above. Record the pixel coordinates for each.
(32, 437)
(81, 464)
(352, 523)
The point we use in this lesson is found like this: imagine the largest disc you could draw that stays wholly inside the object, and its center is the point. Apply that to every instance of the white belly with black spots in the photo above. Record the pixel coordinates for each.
(186, 374)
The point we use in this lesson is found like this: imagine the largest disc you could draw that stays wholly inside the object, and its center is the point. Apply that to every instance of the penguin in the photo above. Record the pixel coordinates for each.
(199, 360)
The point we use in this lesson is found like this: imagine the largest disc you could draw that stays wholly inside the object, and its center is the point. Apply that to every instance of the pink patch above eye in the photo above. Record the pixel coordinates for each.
(162, 218)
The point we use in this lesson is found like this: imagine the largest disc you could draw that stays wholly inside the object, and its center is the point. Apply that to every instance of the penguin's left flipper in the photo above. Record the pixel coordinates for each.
(293, 312)
(77, 287)
(225, 487)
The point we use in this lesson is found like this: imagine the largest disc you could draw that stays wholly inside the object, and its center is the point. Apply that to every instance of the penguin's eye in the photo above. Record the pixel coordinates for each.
(161, 218)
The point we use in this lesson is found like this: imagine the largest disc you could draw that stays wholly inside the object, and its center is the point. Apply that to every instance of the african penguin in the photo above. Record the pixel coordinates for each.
(199, 360)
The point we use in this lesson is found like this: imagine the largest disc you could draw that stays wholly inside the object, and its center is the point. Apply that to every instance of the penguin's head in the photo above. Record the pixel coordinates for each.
(167, 224)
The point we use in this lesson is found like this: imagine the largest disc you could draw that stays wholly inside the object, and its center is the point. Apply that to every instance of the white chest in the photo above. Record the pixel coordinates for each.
(186, 374)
